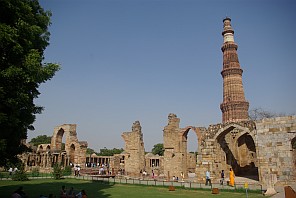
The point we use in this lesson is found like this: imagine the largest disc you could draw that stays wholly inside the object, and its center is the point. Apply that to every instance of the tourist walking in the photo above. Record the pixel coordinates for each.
(231, 177)
(222, 177)
(208, 178)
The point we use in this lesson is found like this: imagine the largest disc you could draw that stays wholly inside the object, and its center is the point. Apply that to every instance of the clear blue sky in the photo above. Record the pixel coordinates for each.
(128, 60)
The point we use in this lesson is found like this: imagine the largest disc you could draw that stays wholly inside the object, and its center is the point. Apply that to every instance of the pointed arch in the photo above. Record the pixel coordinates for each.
(237, 149)
(184, 133)
(72, 154)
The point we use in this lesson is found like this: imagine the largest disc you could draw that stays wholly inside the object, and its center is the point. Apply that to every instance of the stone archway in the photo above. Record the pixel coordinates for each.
(237, 150)
(40, 149)
(184, 133)
(247, 158)
(190, 159)
(73, 150)
(59, 139)
(48, 148)
(72, 153)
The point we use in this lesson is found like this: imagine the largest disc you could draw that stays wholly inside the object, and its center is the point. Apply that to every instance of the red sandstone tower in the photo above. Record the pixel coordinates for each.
(234, 106)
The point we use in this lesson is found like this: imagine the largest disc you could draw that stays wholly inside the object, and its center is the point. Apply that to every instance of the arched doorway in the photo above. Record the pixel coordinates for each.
(72, 154)
(191, 138)
(246, 157)
(40, 149)
(237, 151)
(48, 148)
(192, 151)
(59, 139)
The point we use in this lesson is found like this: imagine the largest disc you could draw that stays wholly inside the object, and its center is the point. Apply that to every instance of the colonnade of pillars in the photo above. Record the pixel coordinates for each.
(97, 161)
(154, 162)
(47, 160)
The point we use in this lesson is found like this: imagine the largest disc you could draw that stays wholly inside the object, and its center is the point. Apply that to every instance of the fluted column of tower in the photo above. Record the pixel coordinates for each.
(234, 106)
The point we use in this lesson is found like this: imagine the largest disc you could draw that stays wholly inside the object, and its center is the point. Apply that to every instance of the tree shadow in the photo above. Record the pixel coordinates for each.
(37, 187)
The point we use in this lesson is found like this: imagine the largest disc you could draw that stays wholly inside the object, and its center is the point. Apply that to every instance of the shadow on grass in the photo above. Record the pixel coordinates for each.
(35, 188)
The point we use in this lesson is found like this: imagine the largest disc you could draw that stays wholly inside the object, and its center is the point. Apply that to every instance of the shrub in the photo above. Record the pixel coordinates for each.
(57, 171)
(67, 170)
(35, 172)
(20, 174)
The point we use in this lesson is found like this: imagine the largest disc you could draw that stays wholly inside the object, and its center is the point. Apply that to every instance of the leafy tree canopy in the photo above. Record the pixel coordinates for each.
(40, 139)
(90, 151)
(23, 38)
(109, 152)
(158, 149)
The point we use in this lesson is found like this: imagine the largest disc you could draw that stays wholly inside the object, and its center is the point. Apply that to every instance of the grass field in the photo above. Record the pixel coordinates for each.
(34, 188)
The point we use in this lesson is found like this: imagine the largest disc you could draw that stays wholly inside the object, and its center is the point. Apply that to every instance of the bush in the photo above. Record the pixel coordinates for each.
(57, 171)
(35, 172)
(20, 175)
(67, 170)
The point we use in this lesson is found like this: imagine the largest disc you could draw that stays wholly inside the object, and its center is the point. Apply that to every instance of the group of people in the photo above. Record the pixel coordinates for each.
(71, 194)
(231, 178)
(77, 170)
(12, 170)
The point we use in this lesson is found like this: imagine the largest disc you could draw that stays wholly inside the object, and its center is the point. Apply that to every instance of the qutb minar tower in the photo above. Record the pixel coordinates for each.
(234, 106)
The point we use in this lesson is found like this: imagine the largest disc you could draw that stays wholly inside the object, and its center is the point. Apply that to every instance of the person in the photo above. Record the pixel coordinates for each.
(70, 193)
(10, 171)
(231, 177)
(208, 178)
(75, 170)
(19, 193)
(81, 194)
(78, 171)
(63, 192)
(15, 195)
(222, 177)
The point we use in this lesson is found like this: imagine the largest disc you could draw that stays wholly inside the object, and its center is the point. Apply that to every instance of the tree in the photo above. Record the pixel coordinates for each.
(158, 149)
(90, 151)
(40, 139)
(259, 114)
(23, 38)
(110, 152)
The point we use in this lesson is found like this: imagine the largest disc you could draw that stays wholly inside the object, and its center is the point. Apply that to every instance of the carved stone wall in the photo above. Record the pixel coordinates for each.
(274, 144)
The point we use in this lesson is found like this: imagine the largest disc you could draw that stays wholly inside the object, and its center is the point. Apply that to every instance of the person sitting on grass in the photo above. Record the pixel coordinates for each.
(63, 193)
(70, 193)
(81, 194)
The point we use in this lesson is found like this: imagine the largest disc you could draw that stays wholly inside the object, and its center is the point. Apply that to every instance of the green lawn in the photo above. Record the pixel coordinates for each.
(34, 188)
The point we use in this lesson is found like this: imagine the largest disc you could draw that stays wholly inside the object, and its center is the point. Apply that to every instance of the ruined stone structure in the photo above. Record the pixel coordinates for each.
(176, 157)
(74, 150)
(234, 106)
(275, 153)
(253, 149)
(46, 155)
(134, 155)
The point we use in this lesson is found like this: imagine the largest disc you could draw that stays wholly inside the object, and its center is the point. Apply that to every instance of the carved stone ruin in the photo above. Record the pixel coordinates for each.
(47, 155)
